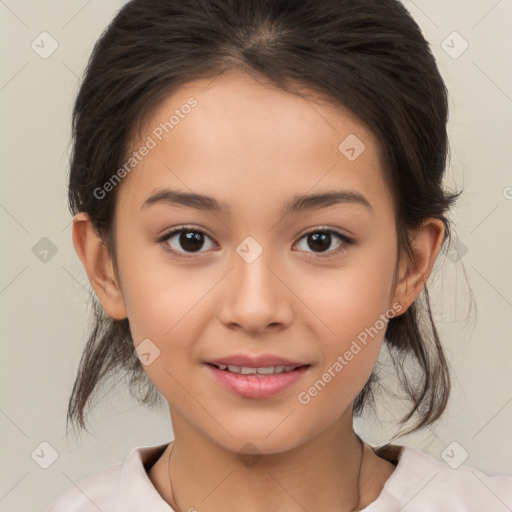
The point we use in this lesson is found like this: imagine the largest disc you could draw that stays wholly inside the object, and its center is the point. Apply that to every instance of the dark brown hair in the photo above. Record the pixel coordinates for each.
(368, 56)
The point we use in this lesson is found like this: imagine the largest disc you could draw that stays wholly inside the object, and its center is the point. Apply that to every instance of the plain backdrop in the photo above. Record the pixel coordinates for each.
(44, 295)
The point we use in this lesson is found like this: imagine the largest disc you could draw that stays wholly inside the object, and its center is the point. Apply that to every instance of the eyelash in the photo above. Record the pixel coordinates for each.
(184, 229)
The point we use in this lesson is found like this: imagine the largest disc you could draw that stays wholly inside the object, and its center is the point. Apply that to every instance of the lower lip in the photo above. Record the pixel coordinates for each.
(254, 386)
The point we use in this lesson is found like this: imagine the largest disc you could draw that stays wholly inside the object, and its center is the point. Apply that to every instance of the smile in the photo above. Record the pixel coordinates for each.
(263, 370)
(256, 382)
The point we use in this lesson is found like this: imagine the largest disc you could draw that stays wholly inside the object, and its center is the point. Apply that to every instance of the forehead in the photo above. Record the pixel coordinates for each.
(233, 136)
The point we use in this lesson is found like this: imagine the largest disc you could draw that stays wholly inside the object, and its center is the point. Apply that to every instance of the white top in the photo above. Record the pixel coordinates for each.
(419, 483)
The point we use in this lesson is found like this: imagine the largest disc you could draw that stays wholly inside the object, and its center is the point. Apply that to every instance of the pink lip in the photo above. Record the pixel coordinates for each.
(256, 386)
(264, 360)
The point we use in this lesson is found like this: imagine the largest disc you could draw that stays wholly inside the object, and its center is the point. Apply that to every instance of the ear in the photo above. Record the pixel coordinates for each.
(97, 262)
(413, 274)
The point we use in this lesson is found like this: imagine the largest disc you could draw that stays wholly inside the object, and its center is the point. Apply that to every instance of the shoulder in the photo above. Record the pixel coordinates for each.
(91, 493)
(422, 482)
(113, 488)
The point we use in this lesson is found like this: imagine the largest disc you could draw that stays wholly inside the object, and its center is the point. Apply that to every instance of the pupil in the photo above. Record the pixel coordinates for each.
(190, 240)
(323, 240)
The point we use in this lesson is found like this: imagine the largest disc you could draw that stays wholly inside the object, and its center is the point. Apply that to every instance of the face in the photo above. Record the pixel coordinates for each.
(311, 285)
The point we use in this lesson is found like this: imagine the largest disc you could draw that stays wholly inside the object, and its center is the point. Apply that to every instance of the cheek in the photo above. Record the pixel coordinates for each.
(162, 302)
(157, 291)
(350, 298)
(172, 311)
(172, 314)
(353, 305)
(357, 315)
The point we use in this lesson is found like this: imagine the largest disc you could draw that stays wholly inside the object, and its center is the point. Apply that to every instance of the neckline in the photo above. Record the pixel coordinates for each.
(389, 452)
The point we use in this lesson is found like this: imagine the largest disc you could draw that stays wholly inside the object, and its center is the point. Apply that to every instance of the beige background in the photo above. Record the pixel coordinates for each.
(44, 304)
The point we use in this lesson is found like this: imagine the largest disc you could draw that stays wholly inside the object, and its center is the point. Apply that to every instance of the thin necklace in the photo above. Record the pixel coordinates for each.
(361, 443)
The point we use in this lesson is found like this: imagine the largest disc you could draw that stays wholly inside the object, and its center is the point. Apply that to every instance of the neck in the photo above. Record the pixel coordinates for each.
(197, 474)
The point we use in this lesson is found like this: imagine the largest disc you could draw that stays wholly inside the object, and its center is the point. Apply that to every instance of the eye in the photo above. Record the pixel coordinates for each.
(190, 239)
(321, 239)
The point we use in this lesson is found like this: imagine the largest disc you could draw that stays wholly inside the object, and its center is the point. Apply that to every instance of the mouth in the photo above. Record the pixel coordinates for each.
(256, 382)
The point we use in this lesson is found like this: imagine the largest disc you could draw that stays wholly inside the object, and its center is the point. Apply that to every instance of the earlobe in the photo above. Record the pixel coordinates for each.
(414, 273)
(97, 262)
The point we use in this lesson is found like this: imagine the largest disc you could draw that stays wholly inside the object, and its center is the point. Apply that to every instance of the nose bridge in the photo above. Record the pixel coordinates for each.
(252, 262)
(254, 296)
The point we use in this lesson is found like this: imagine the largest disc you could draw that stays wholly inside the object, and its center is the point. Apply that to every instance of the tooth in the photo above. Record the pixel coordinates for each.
(266, 371)
(244, 370)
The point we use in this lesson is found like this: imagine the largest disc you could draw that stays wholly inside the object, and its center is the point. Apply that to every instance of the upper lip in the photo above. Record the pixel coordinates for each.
(262, 361)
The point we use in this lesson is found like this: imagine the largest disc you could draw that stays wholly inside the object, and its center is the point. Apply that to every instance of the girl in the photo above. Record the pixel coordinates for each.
(258, 205)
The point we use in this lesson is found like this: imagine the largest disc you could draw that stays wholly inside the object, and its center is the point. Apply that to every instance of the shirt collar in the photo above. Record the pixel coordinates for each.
(136, 491)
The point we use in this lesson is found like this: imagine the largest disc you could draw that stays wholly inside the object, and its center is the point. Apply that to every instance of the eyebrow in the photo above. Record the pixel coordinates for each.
(297, 204)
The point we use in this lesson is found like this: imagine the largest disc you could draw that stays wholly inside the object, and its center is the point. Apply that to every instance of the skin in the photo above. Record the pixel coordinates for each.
(254, 146)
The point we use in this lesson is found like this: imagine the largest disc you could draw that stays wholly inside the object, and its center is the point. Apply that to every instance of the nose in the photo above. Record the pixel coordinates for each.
(255, 296)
